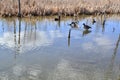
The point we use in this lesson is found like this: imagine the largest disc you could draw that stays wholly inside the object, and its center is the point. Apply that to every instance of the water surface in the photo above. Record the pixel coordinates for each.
(39, 49)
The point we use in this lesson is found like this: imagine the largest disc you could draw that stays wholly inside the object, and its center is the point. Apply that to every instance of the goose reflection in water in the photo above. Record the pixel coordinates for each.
(85, 32)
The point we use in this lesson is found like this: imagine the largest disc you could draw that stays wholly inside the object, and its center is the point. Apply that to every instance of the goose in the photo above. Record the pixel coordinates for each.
(74, 25)
(57, 19)
(86, 26)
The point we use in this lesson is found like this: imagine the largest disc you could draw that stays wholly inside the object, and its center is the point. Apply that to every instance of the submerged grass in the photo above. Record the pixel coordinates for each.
(53, 7)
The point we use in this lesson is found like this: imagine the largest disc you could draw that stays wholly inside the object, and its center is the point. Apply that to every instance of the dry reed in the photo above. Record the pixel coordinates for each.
(53, 7)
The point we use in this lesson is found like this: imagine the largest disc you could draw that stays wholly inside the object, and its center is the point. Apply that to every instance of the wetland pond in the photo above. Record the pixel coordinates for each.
(39, 49)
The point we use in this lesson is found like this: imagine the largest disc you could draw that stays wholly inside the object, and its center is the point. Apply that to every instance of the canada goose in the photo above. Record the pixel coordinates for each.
(93, 21)
(86, 26)
(74, 25)
(57, 19)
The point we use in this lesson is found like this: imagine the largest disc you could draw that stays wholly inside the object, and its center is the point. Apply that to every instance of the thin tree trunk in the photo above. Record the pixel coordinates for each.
(19, 10)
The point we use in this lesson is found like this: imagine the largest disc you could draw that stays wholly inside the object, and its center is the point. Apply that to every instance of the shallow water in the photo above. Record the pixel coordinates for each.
(39, 49)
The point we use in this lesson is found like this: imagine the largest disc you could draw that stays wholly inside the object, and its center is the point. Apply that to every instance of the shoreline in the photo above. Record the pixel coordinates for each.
(71, 15)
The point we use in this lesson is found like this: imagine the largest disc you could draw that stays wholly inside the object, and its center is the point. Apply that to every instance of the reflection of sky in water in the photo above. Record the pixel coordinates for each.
(29, 41)
(48, 54)
(30, 37)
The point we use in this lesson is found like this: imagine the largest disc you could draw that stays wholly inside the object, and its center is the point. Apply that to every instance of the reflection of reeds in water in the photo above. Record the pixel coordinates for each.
(17, 44)
(85, 32)
(110, 73)
(117, 44)
(25, 35)
(52, 7)
(19, 31)
(15, 41)
(69, 33)
(103, 22)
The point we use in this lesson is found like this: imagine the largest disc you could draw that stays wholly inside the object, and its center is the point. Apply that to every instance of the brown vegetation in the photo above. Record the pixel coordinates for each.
(53, 7)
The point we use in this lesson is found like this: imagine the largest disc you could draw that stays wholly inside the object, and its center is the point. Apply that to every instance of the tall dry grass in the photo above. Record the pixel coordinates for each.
(53, 7)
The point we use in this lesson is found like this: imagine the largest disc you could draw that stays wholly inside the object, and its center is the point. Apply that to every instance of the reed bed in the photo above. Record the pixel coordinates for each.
(53, 7)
